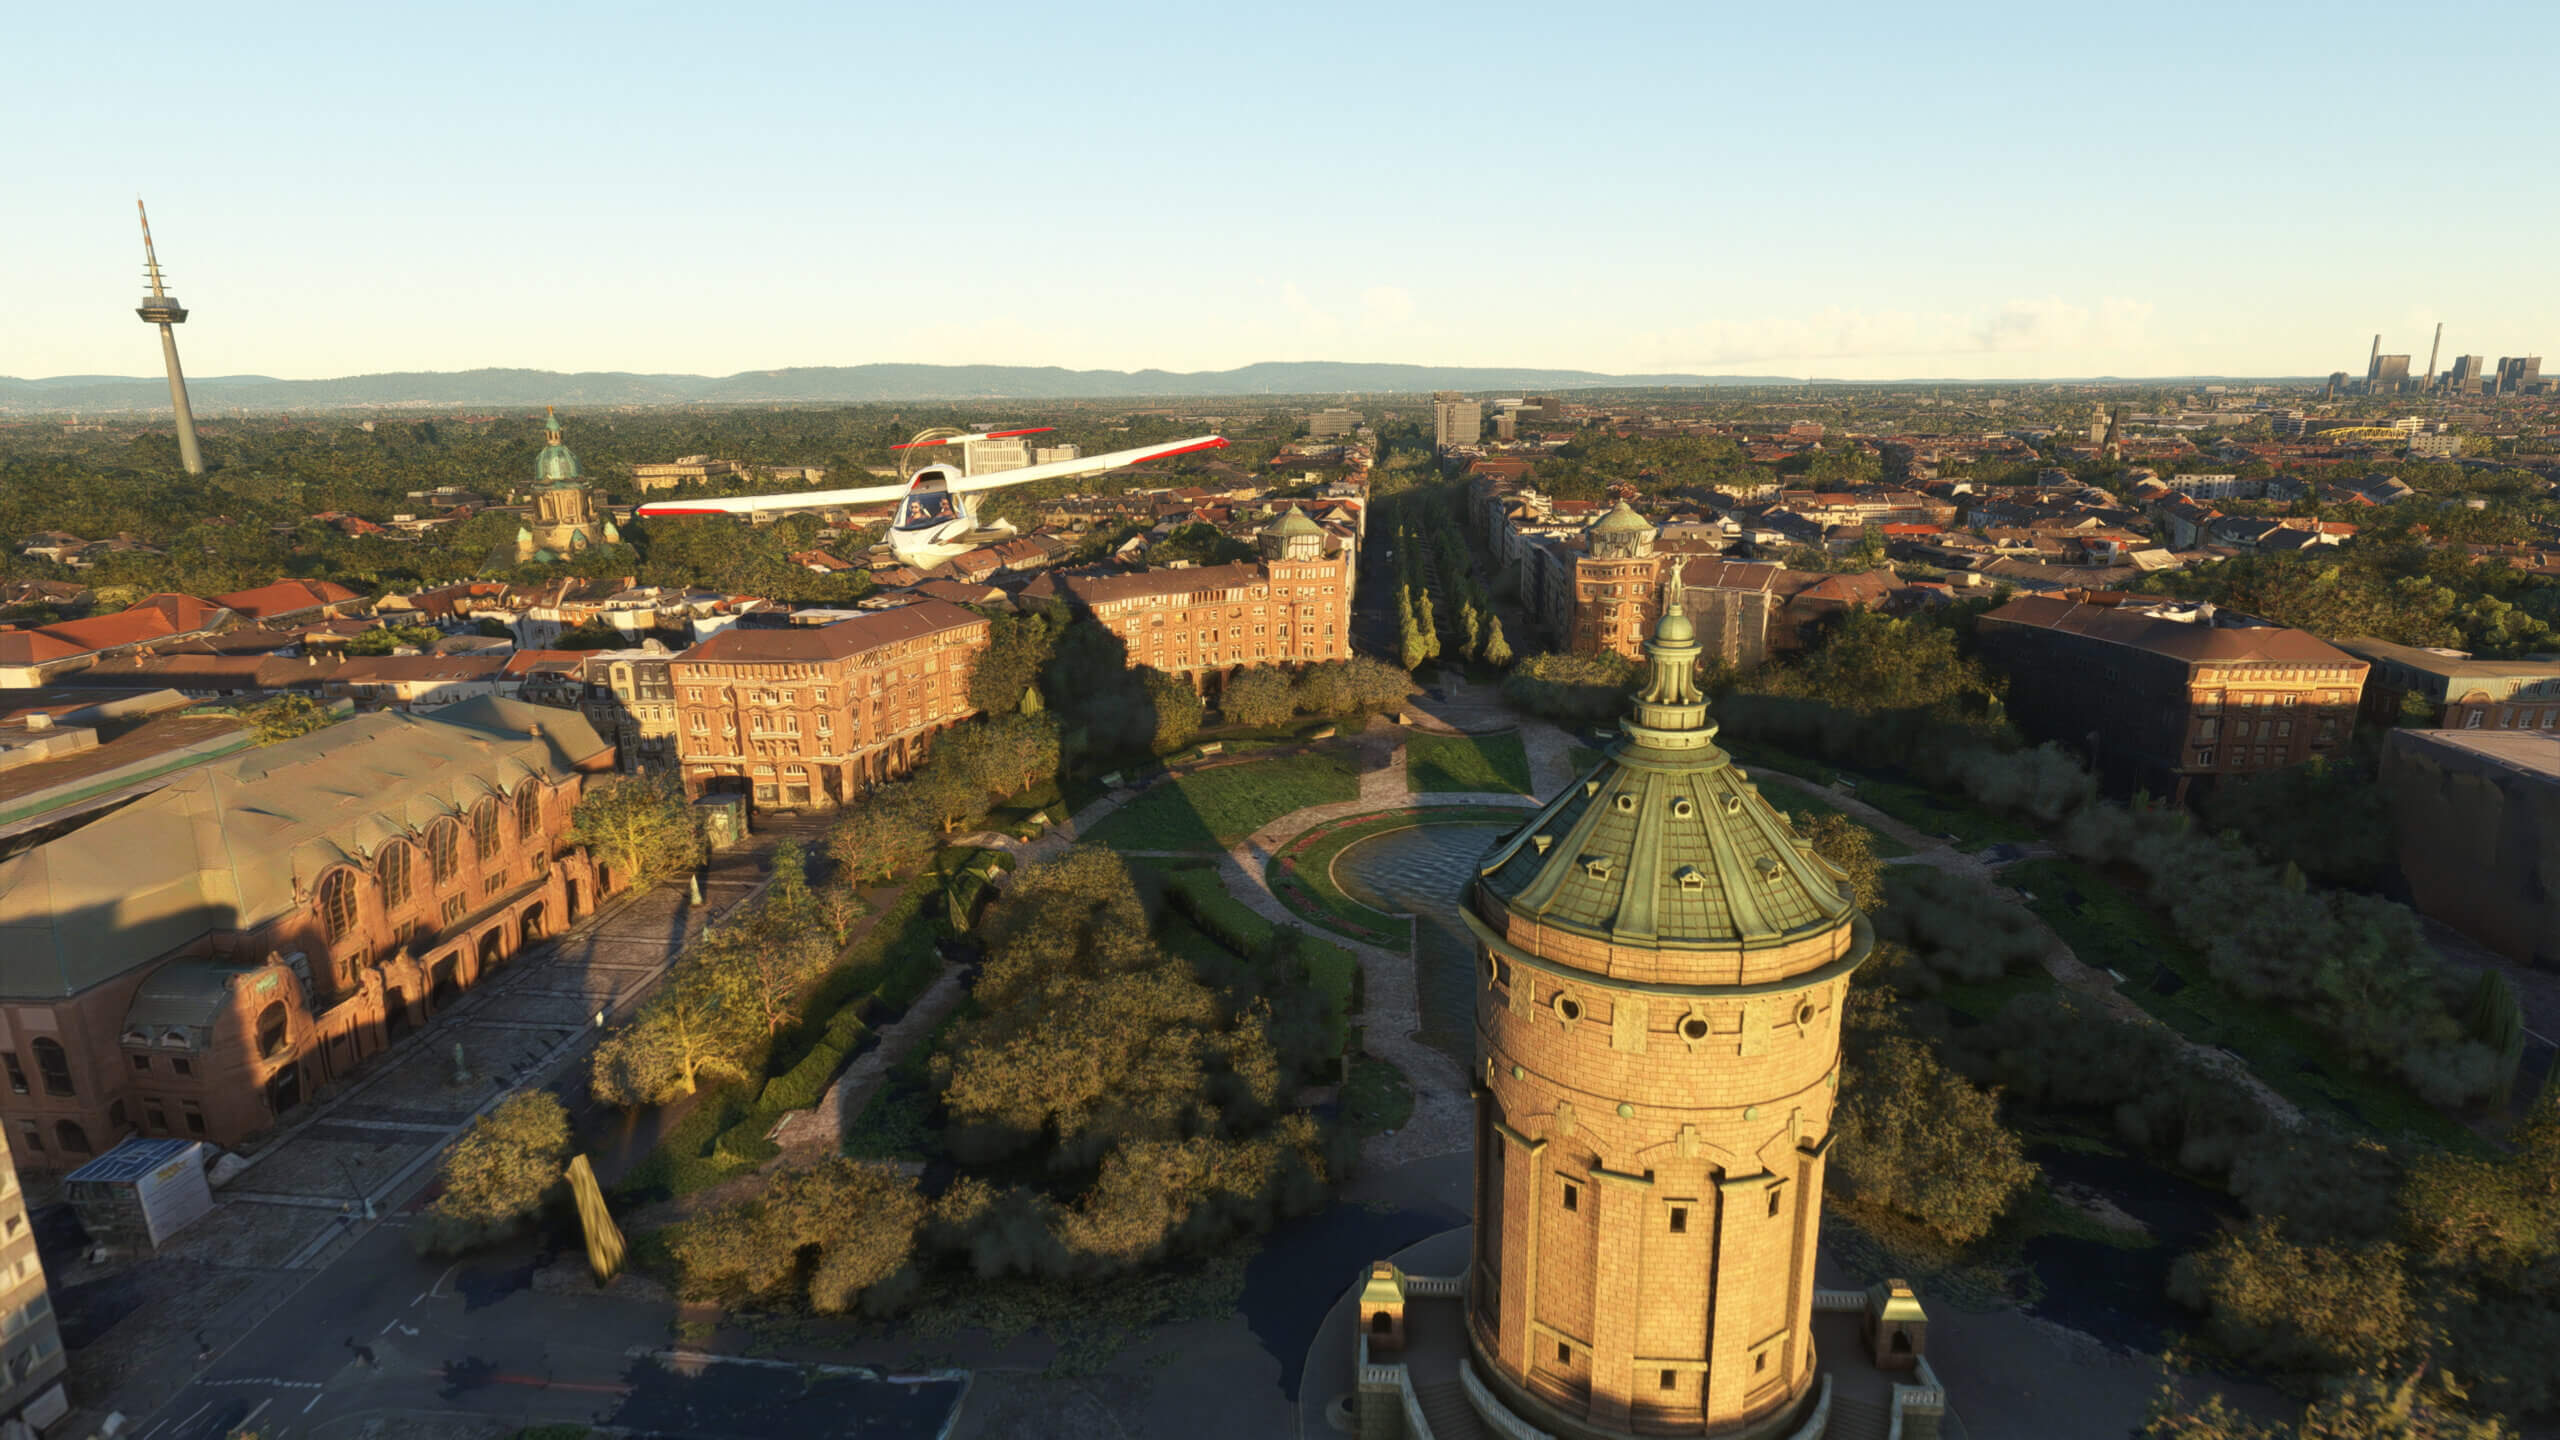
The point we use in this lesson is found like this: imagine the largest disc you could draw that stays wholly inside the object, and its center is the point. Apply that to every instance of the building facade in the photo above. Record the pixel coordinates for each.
(1663, 964)
(197, 963)
(1456, 420)
(31, 1358)
(685, 470)
(1204, 623)
(810, 717)
(2455, 691)
(2472, 810)
(2165, 700)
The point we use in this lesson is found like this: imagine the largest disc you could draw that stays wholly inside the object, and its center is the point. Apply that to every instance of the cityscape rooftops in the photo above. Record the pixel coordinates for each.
(799, 644)
(2210, 637)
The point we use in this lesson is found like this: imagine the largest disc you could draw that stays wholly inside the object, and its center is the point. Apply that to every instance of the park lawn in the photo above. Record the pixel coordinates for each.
(1461, 764)
(1213, 808)
(1376, 1098)
(1933, 812)
(2110, 927)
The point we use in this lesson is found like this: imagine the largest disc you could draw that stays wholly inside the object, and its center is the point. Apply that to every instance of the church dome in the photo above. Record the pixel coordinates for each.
(1622, 519)
(556, 465)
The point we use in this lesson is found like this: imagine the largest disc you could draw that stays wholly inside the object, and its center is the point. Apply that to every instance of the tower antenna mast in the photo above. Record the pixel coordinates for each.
(164, 310)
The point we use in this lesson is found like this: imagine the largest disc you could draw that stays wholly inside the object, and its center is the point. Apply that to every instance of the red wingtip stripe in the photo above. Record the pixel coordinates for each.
(1009, 434)
(679, 510)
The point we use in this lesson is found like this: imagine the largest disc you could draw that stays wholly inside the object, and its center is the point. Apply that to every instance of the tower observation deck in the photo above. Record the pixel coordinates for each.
(164, 310)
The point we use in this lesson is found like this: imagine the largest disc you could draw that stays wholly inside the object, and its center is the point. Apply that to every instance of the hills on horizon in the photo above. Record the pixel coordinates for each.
(838, 384)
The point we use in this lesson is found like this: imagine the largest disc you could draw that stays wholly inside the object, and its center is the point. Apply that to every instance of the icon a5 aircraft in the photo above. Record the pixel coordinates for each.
(937, 514)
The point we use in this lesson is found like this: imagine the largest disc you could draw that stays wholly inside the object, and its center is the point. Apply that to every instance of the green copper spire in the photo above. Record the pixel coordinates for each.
(556, 465)
(1671, 711)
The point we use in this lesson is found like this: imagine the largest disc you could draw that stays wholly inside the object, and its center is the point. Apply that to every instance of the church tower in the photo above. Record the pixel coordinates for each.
(1663, 966)
(566, 515)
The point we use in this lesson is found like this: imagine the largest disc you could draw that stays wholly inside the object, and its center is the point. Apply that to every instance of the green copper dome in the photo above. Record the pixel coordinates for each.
(555, 465)
(1624, 518)
(1666, 845)
(1293, 522)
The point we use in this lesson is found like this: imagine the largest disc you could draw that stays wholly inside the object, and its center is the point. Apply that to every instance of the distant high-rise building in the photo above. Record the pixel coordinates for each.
(2337, 382)
(2438, 344)
(2390, 375)
(162, 309)
(1457, 420)
(2097, 424)
(2467, 373)
(1332, 424)
(993, 456)
(1053, 454)
(2518, 373)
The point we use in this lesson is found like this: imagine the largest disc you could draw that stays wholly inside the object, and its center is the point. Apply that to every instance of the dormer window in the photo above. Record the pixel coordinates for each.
(1597, 866)
(1692, 879)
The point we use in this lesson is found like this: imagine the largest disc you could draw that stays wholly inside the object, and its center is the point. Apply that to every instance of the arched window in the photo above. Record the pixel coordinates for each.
(529, 812)
(338, 904)
(272, 1029)
(71, 1137)
(444, 847)
(484, 831)
(391, 868)
(53, 1065)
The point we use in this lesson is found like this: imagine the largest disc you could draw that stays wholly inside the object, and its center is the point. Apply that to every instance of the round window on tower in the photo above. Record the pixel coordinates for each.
(1804, 1013)
(1694, 1028)
(1568, 1009)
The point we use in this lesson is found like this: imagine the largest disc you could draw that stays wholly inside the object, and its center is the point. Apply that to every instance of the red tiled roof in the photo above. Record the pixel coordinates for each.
(738, 645)
(284, 597)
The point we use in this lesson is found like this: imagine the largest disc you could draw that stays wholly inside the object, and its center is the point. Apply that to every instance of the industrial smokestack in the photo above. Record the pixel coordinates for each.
(2431, 355)
(2373, 362)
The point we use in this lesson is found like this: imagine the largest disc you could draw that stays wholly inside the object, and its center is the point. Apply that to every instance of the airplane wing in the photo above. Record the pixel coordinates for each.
(885, 494)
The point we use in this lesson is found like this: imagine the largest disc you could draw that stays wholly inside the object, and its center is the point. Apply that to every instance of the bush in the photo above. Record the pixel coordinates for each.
(500, 1172)
(834, 1234)
(1576, 688)
(1916, 1138)
(2299, 1308)
(1956, 927)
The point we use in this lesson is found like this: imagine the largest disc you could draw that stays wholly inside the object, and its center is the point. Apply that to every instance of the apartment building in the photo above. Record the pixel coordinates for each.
(811, 716)
(2165, 699)
(1203, 623)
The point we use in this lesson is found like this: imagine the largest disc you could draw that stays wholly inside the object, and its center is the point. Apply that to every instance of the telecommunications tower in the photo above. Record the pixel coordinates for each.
(162, 309)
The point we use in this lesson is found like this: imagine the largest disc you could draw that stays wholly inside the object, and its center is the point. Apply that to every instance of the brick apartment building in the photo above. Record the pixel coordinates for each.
(809, 717)
(196, 963)
(2163, 699)
(1204, 623)
(1743, 612)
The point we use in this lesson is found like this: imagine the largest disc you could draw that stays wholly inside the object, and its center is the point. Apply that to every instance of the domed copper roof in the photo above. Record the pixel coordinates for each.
(1666, 844)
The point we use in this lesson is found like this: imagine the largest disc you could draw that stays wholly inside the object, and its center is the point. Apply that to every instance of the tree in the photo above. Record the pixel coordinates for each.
(593, 635)
(1917, 1138)
(1024, 752)
(1176, 707)
(2498, 1215)
(286, 716)
(702, 1024)
(876, 841)
(2368, 1406)
(383, 639)
(1008, 670)
(1850, 848)
(1497, 651)
(838, 1233)
(498, 1174)
(1259, 696)
(2300, 1308)
(639, 826)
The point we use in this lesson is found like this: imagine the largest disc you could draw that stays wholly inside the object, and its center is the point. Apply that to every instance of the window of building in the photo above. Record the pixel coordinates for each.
(182, 1065)
(155, 1116)
(1572, 1196)
(53, 1065)
(1679, 1219)
(17, 1073)
(141, 1062)
(453, 908)
(1777, 1202)
(444, 850)
(272, 1026)
(194, 1116)
(1670, 1379)
(484, 831)
(338, 905)
(528, 811)
(1564, 1353)
(391, 871)
(69, 1135)
(30, 1138)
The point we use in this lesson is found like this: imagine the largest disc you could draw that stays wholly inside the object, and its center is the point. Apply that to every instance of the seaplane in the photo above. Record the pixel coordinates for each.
(937, 516)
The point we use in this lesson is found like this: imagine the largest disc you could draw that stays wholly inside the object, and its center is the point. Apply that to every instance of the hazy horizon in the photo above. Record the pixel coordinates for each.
(1864, 193)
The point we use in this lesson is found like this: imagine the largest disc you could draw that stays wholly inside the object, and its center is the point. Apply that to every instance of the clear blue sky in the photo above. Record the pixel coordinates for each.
(1842, 189)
